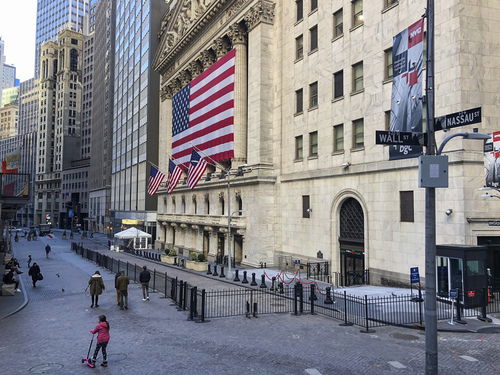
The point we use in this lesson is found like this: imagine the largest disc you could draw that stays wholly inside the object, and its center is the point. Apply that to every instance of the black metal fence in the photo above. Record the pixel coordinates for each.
(319, 271)
(299, 298)
(350, 278)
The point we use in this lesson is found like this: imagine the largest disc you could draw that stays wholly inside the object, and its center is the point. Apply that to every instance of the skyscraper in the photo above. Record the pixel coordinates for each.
(7, 72)
(135, 123)
(51, 15)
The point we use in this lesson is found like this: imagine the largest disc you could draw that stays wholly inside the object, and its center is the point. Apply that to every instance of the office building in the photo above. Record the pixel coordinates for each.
(10, 95)
(8, 120)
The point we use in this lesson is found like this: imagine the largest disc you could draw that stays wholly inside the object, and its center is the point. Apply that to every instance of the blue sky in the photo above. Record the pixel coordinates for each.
(17, 29)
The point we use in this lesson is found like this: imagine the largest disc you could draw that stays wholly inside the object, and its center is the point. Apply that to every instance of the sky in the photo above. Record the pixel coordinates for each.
(17, 29)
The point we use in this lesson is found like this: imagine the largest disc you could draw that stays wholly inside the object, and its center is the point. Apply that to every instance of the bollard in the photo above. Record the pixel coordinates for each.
(459, 316)
(127, 269)
(263, 281)
(282, 288)
(367, 321)
(118, 265)
(253, 283)
(179, 308)
(222, 271)
(295, 297)
(273, 281)
(165, 285)
(192, 303)
(312, 298)
(265, 265)
(346, 323)
(245, 280)
(202, 315)
(261, 265)
(209, 272)
(483, 316)
(247, 314)
(184, 303)
(154, 280)
(301, 298)
(236, 275)
(255, 309)
(135, 272)
(328, 298)
(215, 271)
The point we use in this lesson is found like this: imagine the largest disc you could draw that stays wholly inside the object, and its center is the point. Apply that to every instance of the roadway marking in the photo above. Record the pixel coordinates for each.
(469, 358)
(312, 371)
(396, 364)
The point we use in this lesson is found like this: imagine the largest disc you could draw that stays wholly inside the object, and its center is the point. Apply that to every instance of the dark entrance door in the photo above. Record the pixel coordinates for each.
(352, 253)
(493, 260)
(220, 248)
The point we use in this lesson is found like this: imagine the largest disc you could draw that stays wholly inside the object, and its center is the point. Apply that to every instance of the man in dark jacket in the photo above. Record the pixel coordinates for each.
(47, 250)
(116, 287)
(35, 273)
(122, 286)
(144, 278)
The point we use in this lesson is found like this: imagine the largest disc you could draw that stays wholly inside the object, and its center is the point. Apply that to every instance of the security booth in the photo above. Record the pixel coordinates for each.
(462, 267)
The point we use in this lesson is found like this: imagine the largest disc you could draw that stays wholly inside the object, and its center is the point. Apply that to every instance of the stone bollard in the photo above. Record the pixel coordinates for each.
(245, 280)
(273, 281)
(263, 281)
(222, 272)
(328, 298)
(215, 271)
(209, 272)
(236, 275)
(265, 265)
(282, 289)
(253, 283)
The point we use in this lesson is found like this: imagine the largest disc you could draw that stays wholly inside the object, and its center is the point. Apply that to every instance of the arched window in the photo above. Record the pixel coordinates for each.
(183, 204)
(73, 60)
(239, 202)
(195, 205)
(207, 204)
(173, 205)
(222, 203)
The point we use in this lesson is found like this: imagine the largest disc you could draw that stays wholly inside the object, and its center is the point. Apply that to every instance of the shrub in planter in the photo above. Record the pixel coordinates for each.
(172, 253)
(201, 258)
(193, 256)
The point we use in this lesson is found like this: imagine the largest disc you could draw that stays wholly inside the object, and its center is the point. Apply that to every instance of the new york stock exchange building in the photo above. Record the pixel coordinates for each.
(308, 184)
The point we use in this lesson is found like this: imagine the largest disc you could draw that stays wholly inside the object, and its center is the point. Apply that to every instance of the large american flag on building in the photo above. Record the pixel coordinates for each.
(203, 114)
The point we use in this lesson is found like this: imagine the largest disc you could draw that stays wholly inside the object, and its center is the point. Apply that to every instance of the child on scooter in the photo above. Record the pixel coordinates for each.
(102, 330)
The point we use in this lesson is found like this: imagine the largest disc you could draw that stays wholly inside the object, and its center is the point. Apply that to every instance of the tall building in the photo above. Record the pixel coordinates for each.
(10, 95)
(102, 116)
(135, 122)
(59, 132)
(8, 120)
(51, 16)
(312, 85)
(7, 72)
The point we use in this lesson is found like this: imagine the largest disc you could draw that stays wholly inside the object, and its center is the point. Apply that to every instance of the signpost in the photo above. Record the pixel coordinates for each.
(453, 297)
(414, 279)
(462, 118)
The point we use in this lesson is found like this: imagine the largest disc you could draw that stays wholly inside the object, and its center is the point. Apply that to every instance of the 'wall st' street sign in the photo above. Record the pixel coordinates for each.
(399, 138)
(462, 118)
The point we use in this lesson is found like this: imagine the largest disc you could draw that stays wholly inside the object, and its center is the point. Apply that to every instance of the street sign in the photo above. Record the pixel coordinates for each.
(383, 137)
(462, 118)
(494, 223)
(453, 293)
(414, 275)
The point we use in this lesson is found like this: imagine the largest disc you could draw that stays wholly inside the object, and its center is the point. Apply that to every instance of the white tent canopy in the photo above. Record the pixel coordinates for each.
(132, 233)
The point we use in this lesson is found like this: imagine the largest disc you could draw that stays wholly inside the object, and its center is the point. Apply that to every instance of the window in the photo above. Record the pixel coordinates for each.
(338, 138)
(338, 84)
(387, 120)
(338, 23)
(299, 101)
(406, 206)
(313, 95)
(306, 208)
(357, 77)
(313, 144)
(73, 62)
(388, 3)
(313, 32)
(299, 148)
(388, 63)
(357, 12)
(358, 133)
(299, 47)
(314, 5)
(299, 4)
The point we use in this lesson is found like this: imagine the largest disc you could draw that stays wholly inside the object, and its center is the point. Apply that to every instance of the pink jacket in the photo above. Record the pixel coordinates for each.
(102, 330)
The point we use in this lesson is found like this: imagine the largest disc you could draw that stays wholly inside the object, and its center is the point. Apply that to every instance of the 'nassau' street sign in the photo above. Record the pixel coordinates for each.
(462, 118)
(399, 138)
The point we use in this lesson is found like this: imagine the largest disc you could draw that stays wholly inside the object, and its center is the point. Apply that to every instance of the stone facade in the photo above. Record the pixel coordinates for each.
(341, 205)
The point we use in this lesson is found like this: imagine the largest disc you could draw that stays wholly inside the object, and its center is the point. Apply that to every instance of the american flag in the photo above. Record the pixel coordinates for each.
(203, 114)
(197, 167)
(155, 179)
(174, 174)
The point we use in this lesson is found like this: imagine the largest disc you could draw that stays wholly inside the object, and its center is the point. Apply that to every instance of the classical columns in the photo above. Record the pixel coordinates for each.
(237, 35)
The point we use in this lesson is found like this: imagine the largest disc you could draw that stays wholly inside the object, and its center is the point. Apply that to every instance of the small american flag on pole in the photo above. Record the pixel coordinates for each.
(203, 114)
(156, 177)
(197, 167)
(174, 174)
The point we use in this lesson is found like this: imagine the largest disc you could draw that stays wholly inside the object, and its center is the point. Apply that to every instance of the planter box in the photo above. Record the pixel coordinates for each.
(196, 266)
(168, 259)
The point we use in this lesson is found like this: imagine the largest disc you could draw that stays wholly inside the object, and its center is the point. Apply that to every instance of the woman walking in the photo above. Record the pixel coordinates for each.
(96, 286)
(102, 330)
(35, 274)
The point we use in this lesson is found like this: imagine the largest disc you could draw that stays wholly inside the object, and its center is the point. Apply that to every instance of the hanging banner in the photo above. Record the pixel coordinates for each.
(492, 160)
(406, 102)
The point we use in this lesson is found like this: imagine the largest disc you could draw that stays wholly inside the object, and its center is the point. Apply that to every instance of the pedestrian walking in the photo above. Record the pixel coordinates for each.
(35, 274)
(47, 250)
(96, 286)
(122, 284)
(29, 261)
(102, 330)
(116, 287)
(144, 278)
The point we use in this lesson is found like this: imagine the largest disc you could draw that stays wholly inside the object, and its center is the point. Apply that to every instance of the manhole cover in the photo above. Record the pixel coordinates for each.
(117, 357)
(46, 368)
(404, 336)
(489, 330)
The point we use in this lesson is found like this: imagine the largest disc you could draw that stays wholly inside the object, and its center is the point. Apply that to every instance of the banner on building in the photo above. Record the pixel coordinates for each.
(406, 102)
(492, 160)
(12, 162)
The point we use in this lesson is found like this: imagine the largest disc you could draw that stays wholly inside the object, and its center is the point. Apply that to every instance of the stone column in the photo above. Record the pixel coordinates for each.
(238, 38)
(165, 127)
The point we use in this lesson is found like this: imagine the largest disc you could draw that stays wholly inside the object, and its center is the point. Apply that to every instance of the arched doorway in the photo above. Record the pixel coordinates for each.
(352, 242)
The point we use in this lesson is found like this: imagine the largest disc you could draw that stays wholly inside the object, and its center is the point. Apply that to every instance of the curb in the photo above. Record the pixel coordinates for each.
(23, 305)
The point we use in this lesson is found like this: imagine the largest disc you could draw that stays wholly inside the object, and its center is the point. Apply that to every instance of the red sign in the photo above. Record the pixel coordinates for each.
(471, 293)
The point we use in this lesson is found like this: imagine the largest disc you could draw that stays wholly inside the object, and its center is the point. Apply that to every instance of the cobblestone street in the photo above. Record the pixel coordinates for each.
(50, 335)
